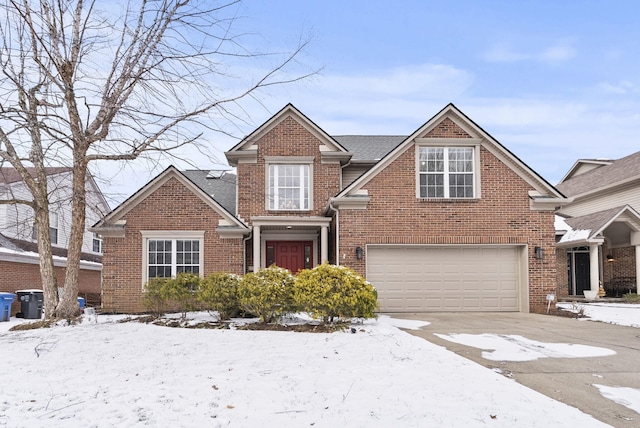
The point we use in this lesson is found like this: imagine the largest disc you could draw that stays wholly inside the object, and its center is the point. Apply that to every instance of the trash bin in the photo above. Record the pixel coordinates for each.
(31, 302)
(6, 299)
(81, 303)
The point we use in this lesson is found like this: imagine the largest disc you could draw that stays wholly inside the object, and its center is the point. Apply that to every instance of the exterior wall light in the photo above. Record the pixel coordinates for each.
(539, 253)
(359, 253)
(610, 258)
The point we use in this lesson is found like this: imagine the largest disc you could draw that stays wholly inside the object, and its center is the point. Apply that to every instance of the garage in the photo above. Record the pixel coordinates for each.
(420, 278)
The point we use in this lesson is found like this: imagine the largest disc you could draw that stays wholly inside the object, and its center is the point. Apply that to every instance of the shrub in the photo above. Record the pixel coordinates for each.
(631, 297)
(219, 292)
(267, 293)
(154, 297)
(178, 293)
(330, 292)
(183, 292)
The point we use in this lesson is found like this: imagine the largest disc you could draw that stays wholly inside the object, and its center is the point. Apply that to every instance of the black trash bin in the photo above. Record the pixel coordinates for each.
(31, 302)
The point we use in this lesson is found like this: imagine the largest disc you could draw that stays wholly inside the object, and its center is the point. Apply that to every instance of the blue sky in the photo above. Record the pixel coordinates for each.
(553, 81)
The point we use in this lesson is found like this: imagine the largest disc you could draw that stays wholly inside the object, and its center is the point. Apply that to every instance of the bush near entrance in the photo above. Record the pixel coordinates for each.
(326, 292)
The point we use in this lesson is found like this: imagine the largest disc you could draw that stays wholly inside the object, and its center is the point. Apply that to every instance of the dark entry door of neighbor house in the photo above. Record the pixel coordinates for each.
(292, 255)
(579, 275)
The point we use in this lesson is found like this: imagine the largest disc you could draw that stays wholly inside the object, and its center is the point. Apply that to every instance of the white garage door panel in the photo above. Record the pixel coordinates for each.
(432, 278)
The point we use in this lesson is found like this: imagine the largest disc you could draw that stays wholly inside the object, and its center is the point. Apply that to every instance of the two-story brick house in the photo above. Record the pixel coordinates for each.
(443, 219)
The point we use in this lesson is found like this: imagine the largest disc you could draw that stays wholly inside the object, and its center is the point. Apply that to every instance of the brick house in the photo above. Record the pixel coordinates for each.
(443, 219)
(19, 260)
(598, 232)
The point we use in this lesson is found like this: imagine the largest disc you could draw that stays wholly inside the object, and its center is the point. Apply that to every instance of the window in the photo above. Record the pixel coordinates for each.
(289, 187)
(97, 243)
(53, 229)
(168, 257)
(446, 172)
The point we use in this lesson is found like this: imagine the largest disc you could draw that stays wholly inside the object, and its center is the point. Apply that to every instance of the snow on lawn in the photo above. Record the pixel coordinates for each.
(104, 374)
(612, 313)
(506, 347)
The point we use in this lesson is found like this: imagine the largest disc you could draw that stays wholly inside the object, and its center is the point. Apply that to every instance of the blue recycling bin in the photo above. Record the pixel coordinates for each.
(6, 299)
(81, 303)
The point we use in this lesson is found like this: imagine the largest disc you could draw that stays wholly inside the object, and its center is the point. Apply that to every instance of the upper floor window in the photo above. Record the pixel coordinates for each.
(289, 187)
(97, 243)
(446, 172)
(53, 229)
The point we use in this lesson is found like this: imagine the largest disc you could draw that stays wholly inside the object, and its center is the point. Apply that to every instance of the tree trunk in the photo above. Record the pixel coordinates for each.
(47, 270)
(68, 306)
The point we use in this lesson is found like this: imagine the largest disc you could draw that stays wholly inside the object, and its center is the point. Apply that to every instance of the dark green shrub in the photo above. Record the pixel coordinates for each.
(267, 293)
(219, 292)
(330, 292)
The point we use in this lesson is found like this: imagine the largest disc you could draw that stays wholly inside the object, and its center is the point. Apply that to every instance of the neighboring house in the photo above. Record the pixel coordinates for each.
(19, 263)
(599, 231)
(445, 219)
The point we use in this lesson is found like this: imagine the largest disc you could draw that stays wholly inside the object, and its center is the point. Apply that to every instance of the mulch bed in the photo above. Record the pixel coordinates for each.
(256, 326)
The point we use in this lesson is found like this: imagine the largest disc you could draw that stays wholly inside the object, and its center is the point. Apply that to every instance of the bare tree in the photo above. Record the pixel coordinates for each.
(82, 85)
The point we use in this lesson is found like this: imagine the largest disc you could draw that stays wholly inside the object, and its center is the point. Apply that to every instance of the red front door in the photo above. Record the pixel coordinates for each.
(292, 255)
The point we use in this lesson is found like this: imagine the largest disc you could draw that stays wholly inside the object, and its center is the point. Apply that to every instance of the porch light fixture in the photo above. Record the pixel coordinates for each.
(539, 253)
(610, 258)
(359, 253)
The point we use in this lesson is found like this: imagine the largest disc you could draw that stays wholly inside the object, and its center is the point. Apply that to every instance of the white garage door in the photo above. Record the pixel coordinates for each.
(441, 278)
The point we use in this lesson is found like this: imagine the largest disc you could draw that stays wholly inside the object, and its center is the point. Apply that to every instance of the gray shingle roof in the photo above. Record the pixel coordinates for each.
(369, 147)
(19, 245)
(222, 189)
(604, 176)
(594, 221)
(10, 175)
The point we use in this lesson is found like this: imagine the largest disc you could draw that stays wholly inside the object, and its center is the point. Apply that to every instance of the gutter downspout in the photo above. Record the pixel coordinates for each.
(337, 212)
(244, 250)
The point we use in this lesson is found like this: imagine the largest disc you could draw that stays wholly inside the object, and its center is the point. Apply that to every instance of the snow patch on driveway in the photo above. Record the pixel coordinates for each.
(501, 347)
(628, 397)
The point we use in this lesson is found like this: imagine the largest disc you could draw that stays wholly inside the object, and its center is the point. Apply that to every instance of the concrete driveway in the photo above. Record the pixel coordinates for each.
(569, 380)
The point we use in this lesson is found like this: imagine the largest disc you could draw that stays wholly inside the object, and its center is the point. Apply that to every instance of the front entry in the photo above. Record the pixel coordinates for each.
(578, 267)
(292, 255)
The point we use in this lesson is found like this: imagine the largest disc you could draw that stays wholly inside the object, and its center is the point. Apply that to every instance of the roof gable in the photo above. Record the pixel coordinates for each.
(246, 147)
(171, 172)
(616, 173)
(585, 165)
(590, 227)
(451, 123)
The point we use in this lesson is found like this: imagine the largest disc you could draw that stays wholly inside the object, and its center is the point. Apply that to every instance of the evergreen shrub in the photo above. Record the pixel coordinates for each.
(267, 293)
(330, 292)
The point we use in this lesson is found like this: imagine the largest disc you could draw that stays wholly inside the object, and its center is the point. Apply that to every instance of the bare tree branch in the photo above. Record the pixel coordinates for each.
(86, 82)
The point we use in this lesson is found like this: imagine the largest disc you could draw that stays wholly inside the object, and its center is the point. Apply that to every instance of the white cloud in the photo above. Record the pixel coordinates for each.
(503, 52)
(622, 87)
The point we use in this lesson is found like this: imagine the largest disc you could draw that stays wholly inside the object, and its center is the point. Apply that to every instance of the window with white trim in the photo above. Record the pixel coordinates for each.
(289, 187)
(97, 243)
(446, 172)
(168, 257)
(53, 229)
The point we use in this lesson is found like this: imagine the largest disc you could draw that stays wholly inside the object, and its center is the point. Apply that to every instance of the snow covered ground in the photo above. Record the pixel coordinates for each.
(102, 373)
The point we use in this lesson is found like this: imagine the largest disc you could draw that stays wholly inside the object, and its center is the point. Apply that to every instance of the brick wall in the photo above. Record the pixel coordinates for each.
(288, 138)
(21, 276)
(562, 277)
(172, 207)
(501, 216)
